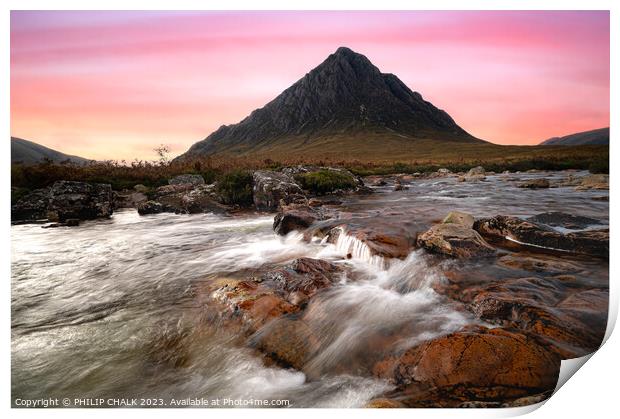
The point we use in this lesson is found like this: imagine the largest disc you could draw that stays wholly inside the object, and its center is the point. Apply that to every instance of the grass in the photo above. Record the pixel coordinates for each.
(235, 188)
(325, 181)
(362, 158)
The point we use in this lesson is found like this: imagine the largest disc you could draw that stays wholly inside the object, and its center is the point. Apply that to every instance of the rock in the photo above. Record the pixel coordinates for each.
(400, 187)
(84, 201)
(187, 179)
(32, 206)
(388, 242)
(474, 174)
(598, 181)
(289, 342)
(491, 364)
(455, 237)
(183, 198)
(129, 199)
(52, 225)
(528, 400)
(535, 184)
(150, 207)
(302, 276)
(457, 217)
(294, 217)
(476, 171)
(561, 219)
(533, 235)
(140, 189)
(601, 198)
(72, 222)
(384, 403)
(281, 290)
(443, 172)
(518, 304)
(532, 264)
(271, 187)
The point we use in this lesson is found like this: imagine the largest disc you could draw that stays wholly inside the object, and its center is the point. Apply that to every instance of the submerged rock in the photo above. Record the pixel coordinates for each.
(598, 181)
(535, 184)
(289, 342)
(533, 235)
(271, 187)
(561, 219)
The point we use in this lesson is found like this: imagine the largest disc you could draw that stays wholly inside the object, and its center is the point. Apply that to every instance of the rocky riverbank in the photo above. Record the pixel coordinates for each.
(510, 295)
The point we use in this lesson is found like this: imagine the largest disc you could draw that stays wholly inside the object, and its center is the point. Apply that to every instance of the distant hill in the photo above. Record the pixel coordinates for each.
(345, 102)
(593, 137)
(28, 152)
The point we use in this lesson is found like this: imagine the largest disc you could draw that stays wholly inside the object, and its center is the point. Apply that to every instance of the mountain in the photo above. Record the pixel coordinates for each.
(594, 137)
(27, 152)
(346, 98)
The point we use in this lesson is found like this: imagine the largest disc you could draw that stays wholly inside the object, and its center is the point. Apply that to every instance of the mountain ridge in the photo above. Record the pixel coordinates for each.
(346, 93)
(29, 152)
(598, 136)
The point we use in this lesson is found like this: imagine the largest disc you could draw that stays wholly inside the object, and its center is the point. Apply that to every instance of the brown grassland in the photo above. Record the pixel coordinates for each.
(390, 155)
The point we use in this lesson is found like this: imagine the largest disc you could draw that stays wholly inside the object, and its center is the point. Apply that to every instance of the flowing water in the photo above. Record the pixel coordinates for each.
(109, 309)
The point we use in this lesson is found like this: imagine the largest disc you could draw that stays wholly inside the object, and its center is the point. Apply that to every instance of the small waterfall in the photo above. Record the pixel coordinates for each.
(357, 249)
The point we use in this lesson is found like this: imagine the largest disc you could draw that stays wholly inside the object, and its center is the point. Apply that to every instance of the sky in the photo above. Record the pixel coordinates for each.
(117, 84)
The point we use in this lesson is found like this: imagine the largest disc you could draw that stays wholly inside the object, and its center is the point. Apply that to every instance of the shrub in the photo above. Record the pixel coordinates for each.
(325, 181)
(235, 187)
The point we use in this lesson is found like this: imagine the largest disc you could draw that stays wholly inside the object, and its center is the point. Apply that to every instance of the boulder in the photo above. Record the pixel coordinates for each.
(535, 184)
(385, 241)
(527, 233)
(32, 206)
(183, 198)
(476, 171)
(474, 174)
(294, 217)
(455, 237)
(187, 179)
(458, 217)
(255, 301)
(150, 207)
(271, 187)
(289, 342)
(488, 364)
(84, 201)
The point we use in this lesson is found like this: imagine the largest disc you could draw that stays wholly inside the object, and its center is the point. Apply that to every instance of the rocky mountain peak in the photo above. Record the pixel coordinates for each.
(345, 94)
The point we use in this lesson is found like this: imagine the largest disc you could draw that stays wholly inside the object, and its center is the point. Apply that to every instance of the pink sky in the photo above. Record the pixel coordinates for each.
(114, 85)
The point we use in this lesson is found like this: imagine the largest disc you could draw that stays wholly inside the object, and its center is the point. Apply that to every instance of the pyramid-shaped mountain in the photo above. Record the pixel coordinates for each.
(346, 95)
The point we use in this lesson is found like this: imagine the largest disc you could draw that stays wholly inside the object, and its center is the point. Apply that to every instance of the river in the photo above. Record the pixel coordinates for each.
(112, 309)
